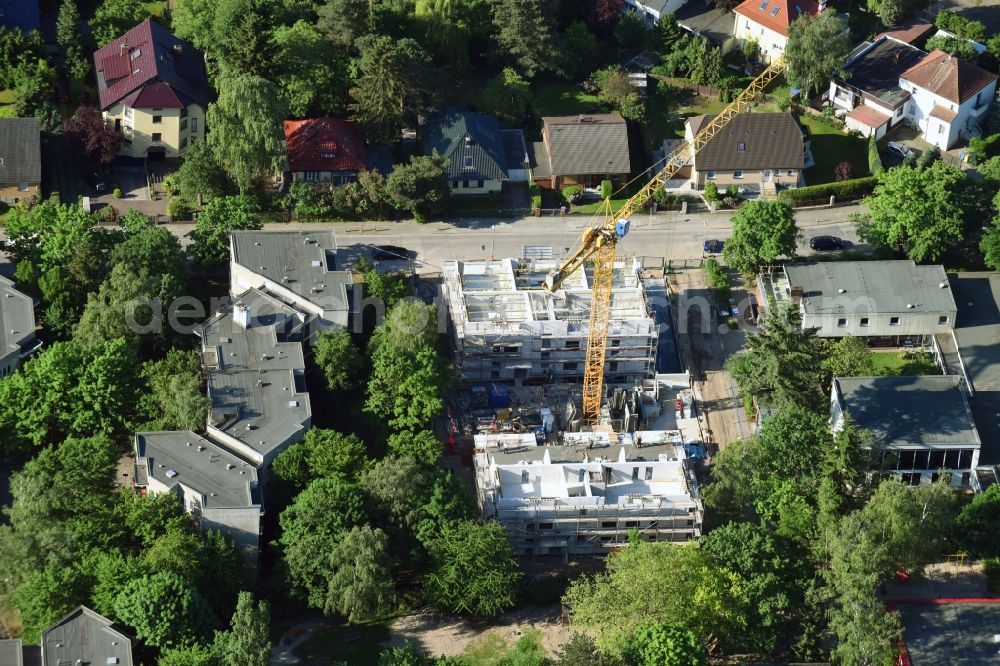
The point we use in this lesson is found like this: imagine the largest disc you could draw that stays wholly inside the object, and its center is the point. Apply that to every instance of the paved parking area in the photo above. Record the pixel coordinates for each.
(952, 634)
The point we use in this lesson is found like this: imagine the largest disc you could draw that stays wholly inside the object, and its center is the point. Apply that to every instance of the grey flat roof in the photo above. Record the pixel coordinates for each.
(256, 376)
(891, 286)
(10, 652)
(85, 636)
(876, 70)
(21, 150)
(181, 457)
(956, 634)
(304, 262)
(928, 410)
(17, 318)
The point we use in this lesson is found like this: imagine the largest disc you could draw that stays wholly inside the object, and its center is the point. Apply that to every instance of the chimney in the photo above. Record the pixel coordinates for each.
(241, 315)
(123, 49)
(178, 49)
(897, 56)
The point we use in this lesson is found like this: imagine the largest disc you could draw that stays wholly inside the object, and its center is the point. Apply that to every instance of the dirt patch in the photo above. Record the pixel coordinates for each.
(443, 635)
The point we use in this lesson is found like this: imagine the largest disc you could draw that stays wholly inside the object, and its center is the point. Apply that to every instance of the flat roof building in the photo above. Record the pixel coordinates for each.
(85, 637)
(892, 303)
(297, 267)
(923, 423)
(17, 327)
(252, 354)
(218, 488)
(506, 325)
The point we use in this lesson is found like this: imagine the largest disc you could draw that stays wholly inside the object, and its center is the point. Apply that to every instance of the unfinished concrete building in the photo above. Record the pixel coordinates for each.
(506, 325)
(581, 492)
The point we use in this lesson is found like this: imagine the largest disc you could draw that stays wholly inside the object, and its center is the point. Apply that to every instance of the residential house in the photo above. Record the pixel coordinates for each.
(922, 424)
(23, 15)
(870, 94)
(85, 637)
(20, 159)
(652, 10)
(218, 488)
(296, 267)
(476, 149)
(757, 151)
(153, 89)
(324, 150)
(17, 327)
(949, 98)
(713, 23)
(765, 22)
(582, 150)
(889, 303)
(915, 34)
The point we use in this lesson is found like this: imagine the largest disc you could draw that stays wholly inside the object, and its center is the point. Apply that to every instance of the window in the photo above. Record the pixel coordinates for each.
(864, 321)
(479, 184)
(545, 526)
(569, 367)
(468, 163)
(134, 55)
(841, 323)
(910, 479)
(157, 108)
(128, 112)
(775, 10)
(741, 146)
(157, 120)
(184, 112)
(572, 344)
(893, 321)
(608, 523)
(635, 473)
(710, 175)
(966, 478)
(649, 474)
(763, 5)
(22, 187)
(465, 184)
(524, 478)
(942, 319)
(194, 125)
(157, 137)
(737, 174)
(940, 129)
(184, 142)
(1, 161)
(184, 124)
(311, 176)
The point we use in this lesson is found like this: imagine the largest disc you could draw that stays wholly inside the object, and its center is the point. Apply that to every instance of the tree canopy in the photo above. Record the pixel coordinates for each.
(762, 232)
(817, 48)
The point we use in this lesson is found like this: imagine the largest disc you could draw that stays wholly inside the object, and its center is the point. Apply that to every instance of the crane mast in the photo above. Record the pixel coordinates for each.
(599, 241)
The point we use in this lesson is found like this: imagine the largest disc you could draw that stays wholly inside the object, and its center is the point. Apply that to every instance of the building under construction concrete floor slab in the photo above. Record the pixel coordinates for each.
(505, 325)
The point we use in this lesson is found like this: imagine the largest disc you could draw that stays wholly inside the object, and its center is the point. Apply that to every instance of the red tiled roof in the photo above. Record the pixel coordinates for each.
(147, 54)
(869, 115)
(948, 76)
(324, 144)
(776, 14)
(908, 34)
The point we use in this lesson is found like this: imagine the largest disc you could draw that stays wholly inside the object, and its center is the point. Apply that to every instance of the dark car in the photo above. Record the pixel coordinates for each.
(390, 253)
(826, 243)
(714, 246)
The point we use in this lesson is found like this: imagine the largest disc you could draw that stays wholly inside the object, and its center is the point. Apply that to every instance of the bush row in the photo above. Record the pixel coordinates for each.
(844, 188)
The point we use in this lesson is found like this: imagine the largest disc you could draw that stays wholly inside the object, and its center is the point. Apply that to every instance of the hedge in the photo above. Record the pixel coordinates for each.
(536, 194)
(874, 159)
(843, 188)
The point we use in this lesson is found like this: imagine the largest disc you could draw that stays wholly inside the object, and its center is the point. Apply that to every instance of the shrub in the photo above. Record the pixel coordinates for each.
(572, 194)
(117, 193)
(733, 191)
(961, 26)
(607, 189)
(664, 198)
(179, 208)
(536, 194)
(844, 188)
(712, 193)
(927, 158)
(874, 159)
(991, 567)
(844, 171)
(982, 149)
(784, 100)
(718, 281)
(170, 185)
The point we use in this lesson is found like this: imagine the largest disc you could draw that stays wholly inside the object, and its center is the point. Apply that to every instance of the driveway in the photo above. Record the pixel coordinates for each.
(131, 180)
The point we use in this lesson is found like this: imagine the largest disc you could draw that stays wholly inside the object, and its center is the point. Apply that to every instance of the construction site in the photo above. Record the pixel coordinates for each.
(505, 325)
(563, 487)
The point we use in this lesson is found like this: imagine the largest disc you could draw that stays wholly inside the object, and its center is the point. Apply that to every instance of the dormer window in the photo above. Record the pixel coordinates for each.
(775, 10)
(134, 55)
(741, 147)
(329, 155)
(763, 5)
(468, 163)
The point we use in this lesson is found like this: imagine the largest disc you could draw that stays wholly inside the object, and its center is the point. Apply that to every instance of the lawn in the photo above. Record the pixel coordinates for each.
(597, 206)
(904, 363)
(483, 206)
(562, 99)
(830, 147)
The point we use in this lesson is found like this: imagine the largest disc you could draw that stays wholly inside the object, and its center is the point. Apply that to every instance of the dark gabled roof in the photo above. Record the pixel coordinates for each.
(87, 637)
(768, 141)
(472, 142)
(948, 76)
(324, 144)
(586, 144)
(148, 67)
(876, 70)
(20, 150)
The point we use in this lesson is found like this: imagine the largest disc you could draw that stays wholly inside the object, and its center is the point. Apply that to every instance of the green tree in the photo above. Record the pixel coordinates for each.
(247, 642)
(706, 63)
(420, 186)
(762, 232)
(165, 610)
(195, 655)
(976, 523)
(817, 46)
(339, 359)
(507, 96)
(70, 41)
(390, 288)
(578, 50)
(321, 454)
(113, 18)
(847, 357)
(240, 38)
(405, 389)
(473, 570)
(222, 215)
(127, 306)
(200, 175)
(954, 45)
(448, 501)
(246, 121)
(396, 83)
(581, 650)
(46, 596)
(410, 326)
(34, 87)
(666, 645)
(310, 71)
(343, 21)
(173, 399)
(423, 446)
(616, 90)
(311, 527)
(916, 211)
(989, 245)
(151, 249)
(524, 34)
(361, 586)
(16, 48)
(193, 20)
(407, 654)
(397, 489)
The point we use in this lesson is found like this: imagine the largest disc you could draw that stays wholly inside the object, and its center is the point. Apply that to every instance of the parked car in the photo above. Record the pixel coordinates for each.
(714, 246)
(896, 149)
(826, 243)
(390, 253)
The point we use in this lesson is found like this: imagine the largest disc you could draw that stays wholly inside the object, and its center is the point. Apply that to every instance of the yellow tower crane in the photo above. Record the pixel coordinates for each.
(599, 242)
